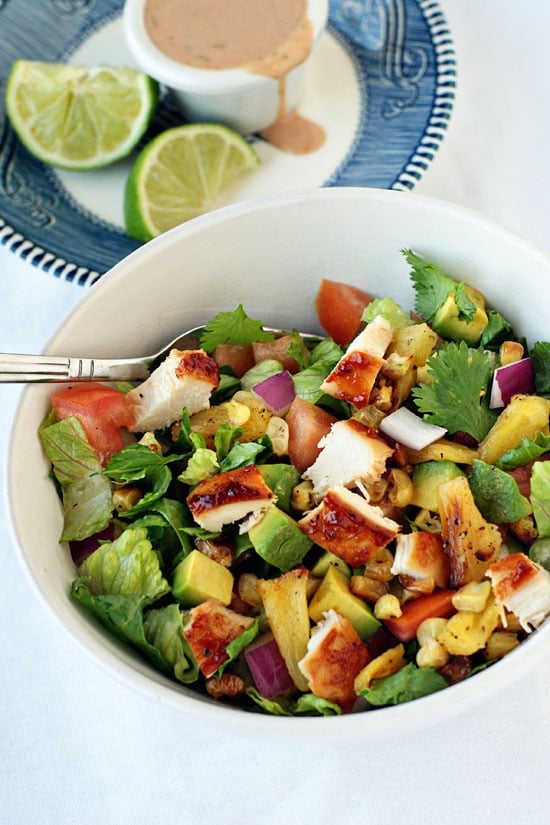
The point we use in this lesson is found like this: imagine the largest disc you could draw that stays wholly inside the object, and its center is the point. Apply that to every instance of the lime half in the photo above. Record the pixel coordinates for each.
(179, 175)
(79, 117)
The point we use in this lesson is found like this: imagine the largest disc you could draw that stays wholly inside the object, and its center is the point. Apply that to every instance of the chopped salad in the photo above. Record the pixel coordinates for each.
(305, 526)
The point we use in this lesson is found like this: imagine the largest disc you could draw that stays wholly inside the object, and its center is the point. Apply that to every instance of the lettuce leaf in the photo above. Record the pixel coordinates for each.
(307, 704)
(411, 682)
(163, 628)
(237, 644)
(540, 497)
(388, 309)
(527, 450)
(126, 566)
(156, 633)
(86, 494)
(137, 463)
(540, 358)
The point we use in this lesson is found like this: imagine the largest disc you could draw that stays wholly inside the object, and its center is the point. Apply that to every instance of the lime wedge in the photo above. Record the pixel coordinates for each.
(79, 117)
(179, 175)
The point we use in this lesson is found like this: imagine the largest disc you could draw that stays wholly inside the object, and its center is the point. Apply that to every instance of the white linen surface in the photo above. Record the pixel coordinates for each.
(77, 746)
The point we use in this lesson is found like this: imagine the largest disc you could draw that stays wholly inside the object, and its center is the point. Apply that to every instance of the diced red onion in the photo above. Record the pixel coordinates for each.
(267, 667)
(81, 549)
(510, 380)
(408, 429)
(277, 392)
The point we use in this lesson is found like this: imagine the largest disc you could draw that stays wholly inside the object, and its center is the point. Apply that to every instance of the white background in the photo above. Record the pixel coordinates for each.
(78, 747)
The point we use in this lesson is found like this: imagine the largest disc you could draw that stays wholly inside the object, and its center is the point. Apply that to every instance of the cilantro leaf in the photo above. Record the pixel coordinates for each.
(497, 330)
(466, 307)
(234, 327)
(431, 285)
(457, 397)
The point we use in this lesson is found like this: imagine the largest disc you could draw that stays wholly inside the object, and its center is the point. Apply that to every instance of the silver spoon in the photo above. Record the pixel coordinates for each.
(22, 369)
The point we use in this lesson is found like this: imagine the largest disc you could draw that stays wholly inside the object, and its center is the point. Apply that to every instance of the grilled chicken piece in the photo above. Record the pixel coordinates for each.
(184, 379)
(335, 655)
(209, 629)
(353, 377)
(522, 587)
(350, 453)
(347, 525)
(228, 497)
(420, 555)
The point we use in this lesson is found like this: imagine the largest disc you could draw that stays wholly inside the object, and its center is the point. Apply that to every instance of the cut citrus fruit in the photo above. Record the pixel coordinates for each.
(179, 175)
(79, 117)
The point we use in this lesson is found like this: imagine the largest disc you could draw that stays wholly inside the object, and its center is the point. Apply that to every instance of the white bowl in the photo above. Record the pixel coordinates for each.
(270, 255)
(246, 101)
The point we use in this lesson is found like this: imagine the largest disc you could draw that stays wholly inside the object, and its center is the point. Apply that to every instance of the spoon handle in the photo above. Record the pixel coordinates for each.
(18, 369)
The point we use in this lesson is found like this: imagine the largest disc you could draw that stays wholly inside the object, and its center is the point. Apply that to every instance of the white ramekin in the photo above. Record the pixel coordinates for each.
(246, 101)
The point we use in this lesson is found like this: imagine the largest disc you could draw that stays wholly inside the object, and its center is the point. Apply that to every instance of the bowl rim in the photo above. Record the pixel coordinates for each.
(194, 80)
(382, 722)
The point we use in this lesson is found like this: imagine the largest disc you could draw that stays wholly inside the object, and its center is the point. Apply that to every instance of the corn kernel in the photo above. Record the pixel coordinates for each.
(302, 496)
(386, 664)
(510, 351)
(432, 654)
(466, 632)
(472, 596)
(430, 629)
(387, 606)
(401, 488)
(277, 430)
(499, 644)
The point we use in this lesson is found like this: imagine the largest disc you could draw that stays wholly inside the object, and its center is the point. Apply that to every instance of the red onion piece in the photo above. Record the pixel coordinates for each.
(80, 550)
(277, 392)
(268, 667)
(510, 380)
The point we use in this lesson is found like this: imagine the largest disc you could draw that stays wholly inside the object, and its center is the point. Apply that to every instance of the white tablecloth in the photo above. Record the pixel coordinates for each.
(77, 746)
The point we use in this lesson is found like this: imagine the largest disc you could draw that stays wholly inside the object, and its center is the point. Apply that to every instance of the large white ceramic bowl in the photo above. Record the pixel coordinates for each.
(270, 255)
(246, 101)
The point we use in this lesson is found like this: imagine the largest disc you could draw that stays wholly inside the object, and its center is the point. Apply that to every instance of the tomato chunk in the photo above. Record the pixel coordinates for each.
(434, 605)
(239, 357)
(101, 410)
(307, 424)
(340, 308)
(278, 350)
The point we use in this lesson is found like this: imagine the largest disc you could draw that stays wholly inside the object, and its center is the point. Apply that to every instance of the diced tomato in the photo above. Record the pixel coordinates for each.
(278, 351)
(239, 357)
(340, 308)
(307, 424)
(433, 605)
(101, 410)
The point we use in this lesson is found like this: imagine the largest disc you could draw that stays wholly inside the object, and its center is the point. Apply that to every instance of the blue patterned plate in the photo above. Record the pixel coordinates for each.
(381, 83)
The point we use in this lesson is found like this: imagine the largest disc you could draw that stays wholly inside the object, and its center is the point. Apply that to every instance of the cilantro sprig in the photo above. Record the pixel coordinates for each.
(234, 327)
(457, 397)
(431, 285)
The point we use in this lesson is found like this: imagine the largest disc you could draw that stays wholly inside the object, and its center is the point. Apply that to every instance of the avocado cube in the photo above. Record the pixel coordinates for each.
(198, 578)
(278, 539)
(427, 477)
(448, 324)
(326, 560)
(334, 594)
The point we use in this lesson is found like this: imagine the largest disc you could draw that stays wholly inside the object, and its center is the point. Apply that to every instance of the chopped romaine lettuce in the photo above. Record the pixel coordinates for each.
(527, 450)
(388, 309)
(540, 497)
(126, 566)
(540, 358)
(411, 682)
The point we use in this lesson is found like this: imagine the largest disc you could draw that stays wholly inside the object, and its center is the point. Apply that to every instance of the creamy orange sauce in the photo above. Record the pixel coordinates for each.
(267, 37)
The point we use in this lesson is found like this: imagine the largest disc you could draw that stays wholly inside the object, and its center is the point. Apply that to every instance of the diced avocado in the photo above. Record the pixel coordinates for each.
(427, 477)
(278, 539)
(198, 578)
(497, 494)
(448, 323)
(334, 594)
(281, 479)
(328, 559)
